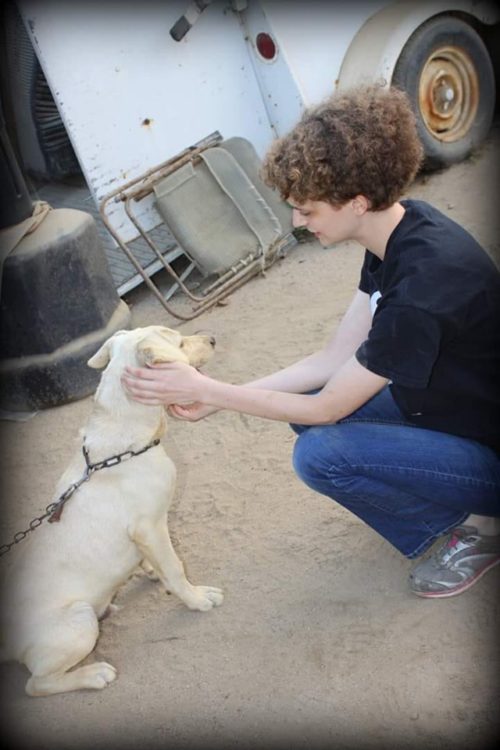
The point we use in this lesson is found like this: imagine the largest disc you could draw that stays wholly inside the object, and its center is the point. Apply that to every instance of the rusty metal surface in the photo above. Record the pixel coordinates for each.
(449, 93)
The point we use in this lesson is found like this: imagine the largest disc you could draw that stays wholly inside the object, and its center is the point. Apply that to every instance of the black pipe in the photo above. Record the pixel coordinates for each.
(15, 202)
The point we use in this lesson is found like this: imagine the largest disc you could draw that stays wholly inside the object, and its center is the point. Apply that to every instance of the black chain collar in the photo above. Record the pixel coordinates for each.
(113, 460)
(55, 509)
(89, 470)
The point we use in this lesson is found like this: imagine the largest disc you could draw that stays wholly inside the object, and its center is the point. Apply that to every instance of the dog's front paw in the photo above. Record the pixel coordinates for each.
(205, 597)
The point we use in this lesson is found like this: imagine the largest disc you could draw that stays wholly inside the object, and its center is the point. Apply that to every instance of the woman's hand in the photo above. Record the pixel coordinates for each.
(165, 384)
(191, 412)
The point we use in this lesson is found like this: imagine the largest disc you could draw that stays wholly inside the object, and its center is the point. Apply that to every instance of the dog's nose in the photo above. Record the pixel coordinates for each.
(211, 339)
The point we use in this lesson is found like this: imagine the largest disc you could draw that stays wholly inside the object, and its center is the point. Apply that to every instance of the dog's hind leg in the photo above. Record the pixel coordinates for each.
(153, 541)
(68, 636)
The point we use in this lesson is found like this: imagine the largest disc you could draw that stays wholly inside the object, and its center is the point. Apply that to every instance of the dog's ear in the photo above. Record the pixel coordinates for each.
(155, 352)
(101, 358)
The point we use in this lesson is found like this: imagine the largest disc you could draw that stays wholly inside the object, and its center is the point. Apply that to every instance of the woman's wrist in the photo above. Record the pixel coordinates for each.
(208, 391)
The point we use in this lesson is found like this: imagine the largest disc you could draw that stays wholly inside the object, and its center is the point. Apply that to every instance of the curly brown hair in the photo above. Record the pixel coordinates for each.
(358, 142)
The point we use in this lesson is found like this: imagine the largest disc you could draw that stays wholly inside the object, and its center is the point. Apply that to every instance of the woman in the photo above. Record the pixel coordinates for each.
(398, 415)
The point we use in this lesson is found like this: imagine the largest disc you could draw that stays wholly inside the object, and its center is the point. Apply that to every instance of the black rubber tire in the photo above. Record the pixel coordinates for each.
(431, 36)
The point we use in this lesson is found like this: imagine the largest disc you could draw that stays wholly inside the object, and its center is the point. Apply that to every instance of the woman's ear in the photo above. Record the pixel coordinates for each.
(361, 205)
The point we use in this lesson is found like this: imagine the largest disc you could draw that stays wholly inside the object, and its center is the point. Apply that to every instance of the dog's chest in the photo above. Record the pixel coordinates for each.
(147, 487)
(114, 497)
(146, 480)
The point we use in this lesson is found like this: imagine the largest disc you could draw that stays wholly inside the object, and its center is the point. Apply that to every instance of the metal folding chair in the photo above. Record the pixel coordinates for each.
(221, 215)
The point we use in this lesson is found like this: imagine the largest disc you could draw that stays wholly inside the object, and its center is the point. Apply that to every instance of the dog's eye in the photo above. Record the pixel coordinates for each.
(181, 345)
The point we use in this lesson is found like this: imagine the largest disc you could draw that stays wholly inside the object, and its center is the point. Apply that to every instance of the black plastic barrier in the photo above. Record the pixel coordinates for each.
(58, 305)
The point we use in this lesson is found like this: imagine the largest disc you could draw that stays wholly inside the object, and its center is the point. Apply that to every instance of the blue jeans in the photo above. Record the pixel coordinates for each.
(409, 484)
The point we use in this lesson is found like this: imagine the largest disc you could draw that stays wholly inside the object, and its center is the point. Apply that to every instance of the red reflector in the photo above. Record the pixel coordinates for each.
(265, 46)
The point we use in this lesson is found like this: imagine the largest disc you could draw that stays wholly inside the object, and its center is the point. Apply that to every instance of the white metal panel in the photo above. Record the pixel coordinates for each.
(281, 94)
(314, 37)
(130, 96)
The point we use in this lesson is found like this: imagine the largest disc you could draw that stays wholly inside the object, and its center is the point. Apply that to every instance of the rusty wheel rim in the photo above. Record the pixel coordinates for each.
(448, 93)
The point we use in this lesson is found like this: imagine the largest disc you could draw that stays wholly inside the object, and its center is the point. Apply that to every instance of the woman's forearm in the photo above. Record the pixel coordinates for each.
(281, 396)
(344, 393)
(306, 375)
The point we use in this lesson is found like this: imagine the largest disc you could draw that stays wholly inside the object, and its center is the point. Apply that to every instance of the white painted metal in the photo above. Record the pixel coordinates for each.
(313, 38)
(131, 97)
(282, 97)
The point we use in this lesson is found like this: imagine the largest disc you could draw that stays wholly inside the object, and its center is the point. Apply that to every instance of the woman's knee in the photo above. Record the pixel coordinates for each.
(314, 456)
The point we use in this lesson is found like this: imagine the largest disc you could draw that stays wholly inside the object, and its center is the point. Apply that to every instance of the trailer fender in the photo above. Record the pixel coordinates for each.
(374, 51)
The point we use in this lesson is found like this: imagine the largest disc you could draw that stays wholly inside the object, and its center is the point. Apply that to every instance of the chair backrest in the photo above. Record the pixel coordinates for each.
(218, 209)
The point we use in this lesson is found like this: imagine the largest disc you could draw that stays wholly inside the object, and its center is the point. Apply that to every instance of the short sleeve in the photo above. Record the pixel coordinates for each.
(402, 345)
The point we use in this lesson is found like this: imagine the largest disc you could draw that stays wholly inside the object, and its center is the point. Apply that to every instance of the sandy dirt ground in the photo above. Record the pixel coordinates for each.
(319, 642)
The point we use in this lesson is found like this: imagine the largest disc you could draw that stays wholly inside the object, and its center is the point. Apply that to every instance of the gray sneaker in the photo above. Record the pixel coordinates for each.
(456, 565)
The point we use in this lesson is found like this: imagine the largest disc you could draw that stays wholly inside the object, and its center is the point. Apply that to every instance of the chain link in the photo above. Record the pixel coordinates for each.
(53, 508)
(49, 511)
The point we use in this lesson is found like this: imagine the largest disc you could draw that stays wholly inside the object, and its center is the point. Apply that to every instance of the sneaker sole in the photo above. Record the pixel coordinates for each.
(458, 589)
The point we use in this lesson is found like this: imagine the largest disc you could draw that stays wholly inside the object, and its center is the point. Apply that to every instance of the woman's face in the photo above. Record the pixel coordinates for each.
(328, 223)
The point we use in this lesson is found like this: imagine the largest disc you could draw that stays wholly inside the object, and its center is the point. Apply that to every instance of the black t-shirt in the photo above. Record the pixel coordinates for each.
(436, 326)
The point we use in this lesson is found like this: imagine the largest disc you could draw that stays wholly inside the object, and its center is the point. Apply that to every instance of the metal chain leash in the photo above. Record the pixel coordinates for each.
(55, 508)
(49, 510)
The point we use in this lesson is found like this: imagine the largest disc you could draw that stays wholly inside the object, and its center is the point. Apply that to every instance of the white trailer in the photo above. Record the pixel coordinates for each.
(134, 83)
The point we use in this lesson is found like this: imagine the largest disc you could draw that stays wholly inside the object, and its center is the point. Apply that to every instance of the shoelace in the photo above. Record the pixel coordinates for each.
(457, 542)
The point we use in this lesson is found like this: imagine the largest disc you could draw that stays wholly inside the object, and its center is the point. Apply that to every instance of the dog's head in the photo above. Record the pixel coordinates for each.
(152, 345)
